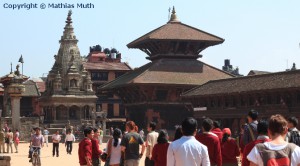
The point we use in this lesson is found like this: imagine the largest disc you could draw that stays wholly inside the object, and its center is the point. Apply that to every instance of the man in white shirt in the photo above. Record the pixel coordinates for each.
(187, 150)
(70, 138)
(150, 142)
(265, 152)
(56, 139)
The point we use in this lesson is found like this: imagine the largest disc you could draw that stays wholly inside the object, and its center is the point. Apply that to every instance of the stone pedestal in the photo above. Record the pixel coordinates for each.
(15, 102)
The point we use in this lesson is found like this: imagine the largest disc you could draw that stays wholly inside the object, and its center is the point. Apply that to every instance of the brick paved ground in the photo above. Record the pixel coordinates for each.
(64, 159)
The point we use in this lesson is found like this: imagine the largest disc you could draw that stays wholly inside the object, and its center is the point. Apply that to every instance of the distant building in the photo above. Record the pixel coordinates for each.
(229, 100)
(228, 68)
(104, 66)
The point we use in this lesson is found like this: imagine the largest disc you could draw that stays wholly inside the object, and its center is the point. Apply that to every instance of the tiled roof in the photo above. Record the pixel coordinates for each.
(106, 66)
(257, 72)
(177, 31)
(255, 83)
(31, 89)
(41, 86)
(170, 72)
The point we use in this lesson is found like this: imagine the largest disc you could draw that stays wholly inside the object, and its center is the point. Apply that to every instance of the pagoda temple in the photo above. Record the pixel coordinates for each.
(69, 96)
(152, 92)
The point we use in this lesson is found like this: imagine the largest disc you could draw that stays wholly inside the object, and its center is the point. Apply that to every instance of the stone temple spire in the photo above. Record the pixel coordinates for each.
(69, 30)
(68, 60)
(174, 16)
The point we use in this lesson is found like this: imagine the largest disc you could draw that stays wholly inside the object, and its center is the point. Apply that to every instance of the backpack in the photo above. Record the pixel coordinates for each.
(276, 157)
(295, 137)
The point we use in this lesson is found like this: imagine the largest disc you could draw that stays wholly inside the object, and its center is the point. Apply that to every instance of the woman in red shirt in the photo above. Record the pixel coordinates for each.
(229, 148)
(159, 152)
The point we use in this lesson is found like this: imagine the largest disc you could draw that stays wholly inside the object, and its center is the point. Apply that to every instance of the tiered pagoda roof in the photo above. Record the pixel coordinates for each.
(173, 50)
(248, 84)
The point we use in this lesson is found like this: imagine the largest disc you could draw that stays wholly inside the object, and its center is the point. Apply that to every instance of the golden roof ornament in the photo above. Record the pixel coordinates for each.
(174, 16)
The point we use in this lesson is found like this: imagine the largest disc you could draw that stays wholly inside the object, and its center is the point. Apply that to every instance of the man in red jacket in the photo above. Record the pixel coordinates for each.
(262, 130)
(216, 130)
(212, 142)
(85, 148)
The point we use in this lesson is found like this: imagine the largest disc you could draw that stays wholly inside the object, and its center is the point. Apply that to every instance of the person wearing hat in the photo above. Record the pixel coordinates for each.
(229, 149)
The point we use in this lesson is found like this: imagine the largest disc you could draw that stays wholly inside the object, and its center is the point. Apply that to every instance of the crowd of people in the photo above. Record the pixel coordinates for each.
(8, 139)
(268, 143)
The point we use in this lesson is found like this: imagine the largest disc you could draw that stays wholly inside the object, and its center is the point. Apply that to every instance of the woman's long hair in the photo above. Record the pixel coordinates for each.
(178, 133)
(116, 135)
(162, 137)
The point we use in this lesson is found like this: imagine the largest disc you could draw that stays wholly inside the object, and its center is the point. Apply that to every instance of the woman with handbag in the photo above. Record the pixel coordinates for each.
(114, 155)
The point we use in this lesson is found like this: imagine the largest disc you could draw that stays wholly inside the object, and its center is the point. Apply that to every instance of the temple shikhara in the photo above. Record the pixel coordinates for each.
(152, 92)
(69, 94)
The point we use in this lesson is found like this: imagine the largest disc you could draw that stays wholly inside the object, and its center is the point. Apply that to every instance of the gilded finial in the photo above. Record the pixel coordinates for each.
(174, 16)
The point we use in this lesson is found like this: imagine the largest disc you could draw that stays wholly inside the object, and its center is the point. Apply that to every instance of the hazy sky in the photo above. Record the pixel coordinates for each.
(259, 34)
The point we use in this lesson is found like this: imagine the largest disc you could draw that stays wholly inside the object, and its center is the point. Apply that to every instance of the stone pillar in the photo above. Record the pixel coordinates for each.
(15, 102)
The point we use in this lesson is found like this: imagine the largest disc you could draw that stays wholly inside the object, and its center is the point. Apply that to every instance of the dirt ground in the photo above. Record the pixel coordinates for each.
(64, 159)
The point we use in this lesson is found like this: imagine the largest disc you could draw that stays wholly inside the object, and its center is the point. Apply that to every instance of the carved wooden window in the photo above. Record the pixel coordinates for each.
(99, 76)
(161, 95)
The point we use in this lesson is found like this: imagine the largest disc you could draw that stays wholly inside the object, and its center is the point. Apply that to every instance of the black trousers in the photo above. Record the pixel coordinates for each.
(149, 162)
(69, 146)
(55, 148)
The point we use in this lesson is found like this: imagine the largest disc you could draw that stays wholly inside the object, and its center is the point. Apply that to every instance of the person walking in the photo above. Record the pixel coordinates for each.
(250, 130)
(229, 149)
(45, 134)
(277, 151)
(114, 148)
(9, 142)
(130, 144)
(159, 152)
(70, 138)
(187, 150)
(150, 142)
(96, 152)
(262, 130)
(212, 142)
(16, 140)
(85, 148)
(2, 141)
(293, 136)
(55, 140)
